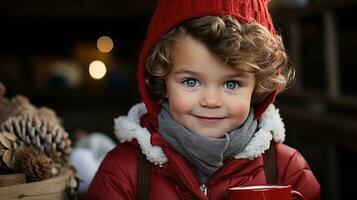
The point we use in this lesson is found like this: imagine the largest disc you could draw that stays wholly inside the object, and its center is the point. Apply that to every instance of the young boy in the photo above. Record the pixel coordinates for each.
(208, 75)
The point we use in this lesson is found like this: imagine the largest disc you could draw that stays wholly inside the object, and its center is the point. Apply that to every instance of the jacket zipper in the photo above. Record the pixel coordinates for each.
(204, 189)
(203, 186)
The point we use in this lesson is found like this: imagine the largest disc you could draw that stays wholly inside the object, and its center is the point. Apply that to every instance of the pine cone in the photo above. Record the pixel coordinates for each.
(20, 105)
(41, 134)
(7, 109)
(48, 113)
(16, 106)
(23, 125)
(34, 163)
(8, 146)
(23, 105)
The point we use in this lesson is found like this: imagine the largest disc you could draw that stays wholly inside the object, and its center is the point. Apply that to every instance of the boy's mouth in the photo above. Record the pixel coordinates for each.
(209, 119)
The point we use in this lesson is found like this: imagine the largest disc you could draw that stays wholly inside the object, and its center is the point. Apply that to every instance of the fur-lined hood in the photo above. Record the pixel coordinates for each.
(127, 128)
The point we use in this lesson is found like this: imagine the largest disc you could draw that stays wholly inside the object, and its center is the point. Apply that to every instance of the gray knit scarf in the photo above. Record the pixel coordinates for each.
(206, 154)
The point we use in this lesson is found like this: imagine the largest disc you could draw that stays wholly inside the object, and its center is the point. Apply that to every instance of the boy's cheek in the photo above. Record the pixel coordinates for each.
(240, 109)
(179, 104)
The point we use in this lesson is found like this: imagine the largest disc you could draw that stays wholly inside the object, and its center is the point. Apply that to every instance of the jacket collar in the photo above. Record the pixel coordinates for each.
(127, 128)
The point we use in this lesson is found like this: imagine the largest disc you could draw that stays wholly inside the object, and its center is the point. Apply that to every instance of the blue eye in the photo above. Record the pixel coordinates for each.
(231, 85)
(190, 82)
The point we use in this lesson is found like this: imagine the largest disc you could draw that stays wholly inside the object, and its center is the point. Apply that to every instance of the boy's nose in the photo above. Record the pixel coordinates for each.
(211, 99)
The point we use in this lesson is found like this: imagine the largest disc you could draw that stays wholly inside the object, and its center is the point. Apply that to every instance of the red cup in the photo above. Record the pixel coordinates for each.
(263, 192)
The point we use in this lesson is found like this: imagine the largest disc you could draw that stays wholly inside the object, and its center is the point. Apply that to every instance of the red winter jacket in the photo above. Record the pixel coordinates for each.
(176, 179)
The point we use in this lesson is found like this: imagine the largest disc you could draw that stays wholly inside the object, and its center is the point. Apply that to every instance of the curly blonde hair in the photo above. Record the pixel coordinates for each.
(248, 47)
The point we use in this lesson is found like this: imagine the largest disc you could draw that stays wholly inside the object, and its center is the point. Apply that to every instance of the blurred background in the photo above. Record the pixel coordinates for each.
(79, 58)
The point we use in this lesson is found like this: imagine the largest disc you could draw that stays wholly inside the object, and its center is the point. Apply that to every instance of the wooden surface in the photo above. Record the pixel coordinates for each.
(12, 179)
(54, 188)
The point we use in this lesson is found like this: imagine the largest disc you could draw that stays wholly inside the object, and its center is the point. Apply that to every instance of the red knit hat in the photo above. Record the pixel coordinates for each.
(170, 13)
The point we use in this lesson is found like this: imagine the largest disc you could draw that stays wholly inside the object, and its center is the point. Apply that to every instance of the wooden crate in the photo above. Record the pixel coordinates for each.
(53, 188)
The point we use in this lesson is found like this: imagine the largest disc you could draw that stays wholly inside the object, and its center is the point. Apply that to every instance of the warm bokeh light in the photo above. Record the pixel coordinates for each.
(97, 69)
(105, 44)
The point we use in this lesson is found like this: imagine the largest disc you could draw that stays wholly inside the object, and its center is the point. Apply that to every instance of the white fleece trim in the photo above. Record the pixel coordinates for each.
(127, 128)
(271, 126)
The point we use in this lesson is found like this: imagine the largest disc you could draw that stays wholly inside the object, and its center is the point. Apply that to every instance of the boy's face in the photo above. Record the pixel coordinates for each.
(205, 95)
